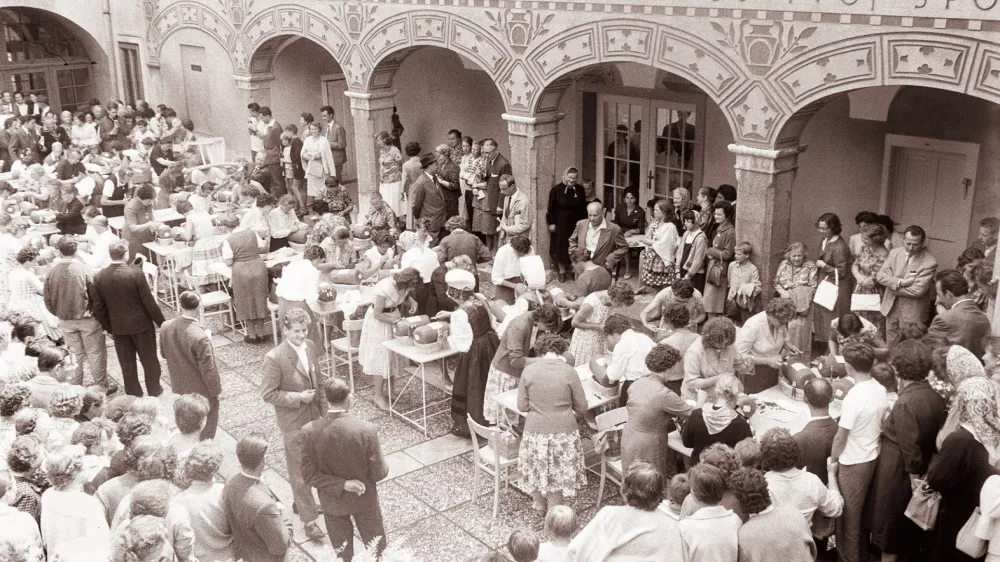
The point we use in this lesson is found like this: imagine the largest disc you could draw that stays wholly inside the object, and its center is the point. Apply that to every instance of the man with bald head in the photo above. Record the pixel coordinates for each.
(816, 438)
(603, 240)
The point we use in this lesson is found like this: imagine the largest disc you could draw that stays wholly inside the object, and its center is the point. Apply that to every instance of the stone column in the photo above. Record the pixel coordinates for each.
(532, 159)
(764, 204)
(372, 112)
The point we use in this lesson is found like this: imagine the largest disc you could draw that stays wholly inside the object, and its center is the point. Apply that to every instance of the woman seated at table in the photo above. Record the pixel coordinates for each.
(851, 328)
(590, 278)
(550, 462)
(472, 334)
(285, 224)
(652, 407)
(381, 256)
(197, 224)
(380, 217)
(589, 340)
(717, 421)
(338, 198)
(256, 219)
(201, 198)
(339, 248)
(710, 357)
(763, 342)
(241, 251)
(680, 292)
(390, 297)
(418, 238)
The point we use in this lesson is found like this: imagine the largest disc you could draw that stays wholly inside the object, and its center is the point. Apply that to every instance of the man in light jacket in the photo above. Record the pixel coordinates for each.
(908, 278)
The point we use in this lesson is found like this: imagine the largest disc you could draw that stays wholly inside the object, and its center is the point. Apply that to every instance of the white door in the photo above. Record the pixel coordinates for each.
(195, 86)
(653, 159)
(333, 95)
(932, 184)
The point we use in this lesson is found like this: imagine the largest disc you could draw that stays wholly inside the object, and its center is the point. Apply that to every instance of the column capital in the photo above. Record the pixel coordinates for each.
(251, 82)
(537, 126)
(765, 160)
(371, 101)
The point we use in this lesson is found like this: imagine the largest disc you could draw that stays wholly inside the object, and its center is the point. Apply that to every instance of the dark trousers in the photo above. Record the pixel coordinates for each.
(142, 344)
(341, 531)
(278, 187)
(212, 421)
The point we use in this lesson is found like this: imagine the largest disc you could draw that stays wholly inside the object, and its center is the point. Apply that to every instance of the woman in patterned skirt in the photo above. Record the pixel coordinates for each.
(661, 247)
(589, 340)
(241, 251)
(869, 261)
(550, 461)
(388, 296)
(26, 294)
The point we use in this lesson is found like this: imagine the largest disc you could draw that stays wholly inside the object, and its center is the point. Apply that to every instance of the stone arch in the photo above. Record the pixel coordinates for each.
(271, 26)
(934, 60)
(537, 86)
(192, 15)
(382, 48)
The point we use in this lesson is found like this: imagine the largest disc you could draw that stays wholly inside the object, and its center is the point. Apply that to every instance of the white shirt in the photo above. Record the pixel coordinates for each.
(281, 223)
(862, 414)
(99, 257)
(299, 281)
(300, 350)
(256, 143)
(460, 337)
(376, 259)
(20, 529)
(628, 360)
(69, 516)
(757, 338)
(506, 264)
(423, 260)
(593, 234)
(256, 220)
(804, 491)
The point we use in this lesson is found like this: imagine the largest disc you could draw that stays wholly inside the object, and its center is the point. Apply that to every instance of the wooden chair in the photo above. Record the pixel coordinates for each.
(220, 300)
(343, 352)
(609, 426)
(487, 459)
(275, 324)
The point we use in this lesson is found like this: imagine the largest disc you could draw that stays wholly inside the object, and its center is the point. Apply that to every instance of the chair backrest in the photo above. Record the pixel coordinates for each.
(612, 418)
(490, 434)
(189, 281)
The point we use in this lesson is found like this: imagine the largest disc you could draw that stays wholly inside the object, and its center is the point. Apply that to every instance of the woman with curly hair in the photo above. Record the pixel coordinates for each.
(850, 328)
(652, 408)
(143, 539)
(964, 462)
(869, 260)
(96, 437)
(26, 290)
(711, 356)
(764, 343)
(389, 299)
(795, 279)
(152, 497)
(70, 515)
(794, 486)
(13, 399)
(717, 421)
(213, 538)
(907, 445)
(775, 531)
(551, 456)
(67, 401)
(138, 443)
(589, 340)
(710, 532)
(634, 531)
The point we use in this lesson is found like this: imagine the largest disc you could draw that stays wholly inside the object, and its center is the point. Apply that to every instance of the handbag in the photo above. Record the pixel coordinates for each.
(968, 541)
(827, 292)
(923, 507)
(715, 274)
(866, 303)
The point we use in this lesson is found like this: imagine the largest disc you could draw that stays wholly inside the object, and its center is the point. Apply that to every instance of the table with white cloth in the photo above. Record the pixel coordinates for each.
(405, 348)
(345, 302)
(170, 259)
(165, 216)
(774, 409)
(597, 395)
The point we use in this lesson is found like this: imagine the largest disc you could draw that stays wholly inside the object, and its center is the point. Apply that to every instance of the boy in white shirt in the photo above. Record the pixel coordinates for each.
(856, 446)
(628, 356)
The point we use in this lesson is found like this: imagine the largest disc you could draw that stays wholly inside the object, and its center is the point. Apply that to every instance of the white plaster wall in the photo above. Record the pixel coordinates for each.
(297, 88)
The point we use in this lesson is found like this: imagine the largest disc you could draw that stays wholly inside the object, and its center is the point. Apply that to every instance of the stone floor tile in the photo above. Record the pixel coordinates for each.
(400, 508)
(240, 353)
(437, 539)
(400, 463)
(514, 513)
(240, 409)
(252, 372)
(395, 435)
(446, 484)
(233, 382)
(439, 449)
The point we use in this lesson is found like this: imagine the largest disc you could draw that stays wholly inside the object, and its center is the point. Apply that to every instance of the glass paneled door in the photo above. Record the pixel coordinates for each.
(651, 160)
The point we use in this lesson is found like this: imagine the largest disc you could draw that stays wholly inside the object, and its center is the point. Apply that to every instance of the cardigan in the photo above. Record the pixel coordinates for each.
(552, 394)
(710, 535)
(777, 533)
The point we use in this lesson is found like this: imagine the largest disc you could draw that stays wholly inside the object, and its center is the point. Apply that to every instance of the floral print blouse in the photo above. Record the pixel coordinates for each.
(381, 219)
(389, 162)
(788, 276)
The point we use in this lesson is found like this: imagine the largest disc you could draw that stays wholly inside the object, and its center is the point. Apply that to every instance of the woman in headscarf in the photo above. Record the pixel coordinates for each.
(953, 365)
(964, 463)
(567, 206)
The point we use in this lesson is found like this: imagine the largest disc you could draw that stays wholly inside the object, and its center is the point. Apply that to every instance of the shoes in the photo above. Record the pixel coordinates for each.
(459, 431)
(112, 387)
(313, 531)
(562, 277)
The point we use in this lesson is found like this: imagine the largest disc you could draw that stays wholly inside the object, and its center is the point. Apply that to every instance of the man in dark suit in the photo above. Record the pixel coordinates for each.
(496, 166)
(24, 138)
(343, 460)
(292, 383)
(603, 240)
(815, 440)
(126, 308)
(187, 346)
(428, 200)
(261, 529)
(963, 323)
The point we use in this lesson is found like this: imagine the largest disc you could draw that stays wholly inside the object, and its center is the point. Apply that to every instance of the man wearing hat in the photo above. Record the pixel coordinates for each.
(428, 199)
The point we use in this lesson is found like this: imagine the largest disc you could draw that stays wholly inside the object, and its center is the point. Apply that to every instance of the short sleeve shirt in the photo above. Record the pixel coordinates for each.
(862, 414)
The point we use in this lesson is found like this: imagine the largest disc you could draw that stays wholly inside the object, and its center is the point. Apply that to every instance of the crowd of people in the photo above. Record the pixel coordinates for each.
(902, 347)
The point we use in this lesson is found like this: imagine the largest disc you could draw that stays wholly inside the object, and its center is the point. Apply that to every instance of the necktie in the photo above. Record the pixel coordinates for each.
(506, 209)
